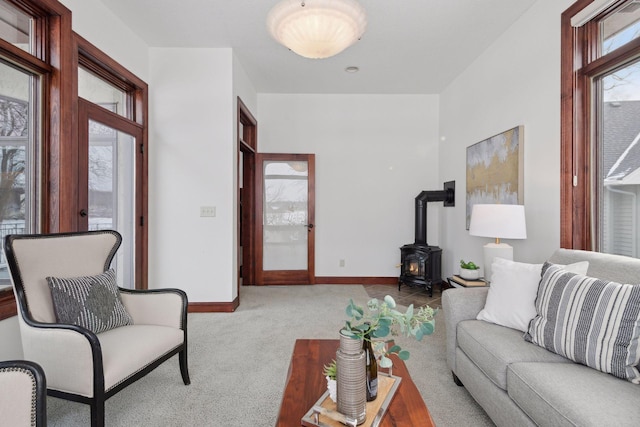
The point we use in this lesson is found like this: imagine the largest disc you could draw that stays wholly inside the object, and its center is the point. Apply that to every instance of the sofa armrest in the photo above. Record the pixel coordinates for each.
(163, 307)
(460, 304)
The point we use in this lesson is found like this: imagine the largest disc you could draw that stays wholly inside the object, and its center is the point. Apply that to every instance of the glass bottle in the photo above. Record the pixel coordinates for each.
(371, 368)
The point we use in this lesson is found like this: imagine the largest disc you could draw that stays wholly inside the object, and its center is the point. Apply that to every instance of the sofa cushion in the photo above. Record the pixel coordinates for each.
(492, 348)
(591, 321)
(92, 302)
(511, 300)
(564, 394)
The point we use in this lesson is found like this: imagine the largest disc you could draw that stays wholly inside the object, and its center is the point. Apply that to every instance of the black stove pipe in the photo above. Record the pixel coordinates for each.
(447, 196)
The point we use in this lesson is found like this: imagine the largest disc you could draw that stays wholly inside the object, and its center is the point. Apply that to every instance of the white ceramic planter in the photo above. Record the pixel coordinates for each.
(467, 274)
(332, 386)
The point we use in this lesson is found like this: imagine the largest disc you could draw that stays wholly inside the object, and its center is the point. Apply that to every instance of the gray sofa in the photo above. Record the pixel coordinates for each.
(520, 384)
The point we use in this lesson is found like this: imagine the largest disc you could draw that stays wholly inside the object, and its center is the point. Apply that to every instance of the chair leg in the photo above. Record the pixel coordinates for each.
(97, 412)
(184, 369)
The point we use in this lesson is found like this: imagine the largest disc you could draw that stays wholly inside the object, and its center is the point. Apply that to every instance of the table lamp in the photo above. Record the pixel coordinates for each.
(498, 222)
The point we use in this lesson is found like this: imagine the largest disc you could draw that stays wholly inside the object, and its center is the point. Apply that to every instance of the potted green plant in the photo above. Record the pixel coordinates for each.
(330, 372)
(469, 270)
(382, 319)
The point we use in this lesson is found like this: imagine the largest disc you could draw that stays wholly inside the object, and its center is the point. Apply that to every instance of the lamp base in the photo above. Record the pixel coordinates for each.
(495, 250)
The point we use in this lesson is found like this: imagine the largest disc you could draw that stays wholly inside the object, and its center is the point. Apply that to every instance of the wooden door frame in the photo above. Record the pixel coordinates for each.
(101, 64)
(305, 277)
(90, 111)
(247, 131)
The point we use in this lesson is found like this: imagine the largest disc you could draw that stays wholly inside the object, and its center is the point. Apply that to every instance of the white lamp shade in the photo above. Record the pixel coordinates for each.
(498, 221)
(320, 28)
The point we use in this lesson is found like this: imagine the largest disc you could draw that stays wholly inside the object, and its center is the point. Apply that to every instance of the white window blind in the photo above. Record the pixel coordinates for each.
(589, 12)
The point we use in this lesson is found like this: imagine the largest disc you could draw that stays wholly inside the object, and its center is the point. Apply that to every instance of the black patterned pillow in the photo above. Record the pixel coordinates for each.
(590, 321)
(92, 302)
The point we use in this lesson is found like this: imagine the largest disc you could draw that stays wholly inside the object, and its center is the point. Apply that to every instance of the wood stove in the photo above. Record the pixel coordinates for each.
(420, 263)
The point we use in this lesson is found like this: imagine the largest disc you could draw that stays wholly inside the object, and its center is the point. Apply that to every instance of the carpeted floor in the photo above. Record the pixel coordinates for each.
(238, 364)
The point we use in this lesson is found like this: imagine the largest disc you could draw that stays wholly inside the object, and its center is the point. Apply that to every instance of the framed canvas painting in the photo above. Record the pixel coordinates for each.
(495, 170)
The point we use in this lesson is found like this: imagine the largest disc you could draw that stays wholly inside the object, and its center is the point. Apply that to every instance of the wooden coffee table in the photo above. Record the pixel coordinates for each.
(305, 385)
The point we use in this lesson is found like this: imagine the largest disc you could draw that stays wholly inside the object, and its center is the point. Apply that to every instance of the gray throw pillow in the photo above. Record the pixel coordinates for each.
(92, 302)
(590, 321)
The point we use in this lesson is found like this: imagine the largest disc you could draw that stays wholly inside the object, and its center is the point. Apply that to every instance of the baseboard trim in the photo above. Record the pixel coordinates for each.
(214, 307)
(334, 280)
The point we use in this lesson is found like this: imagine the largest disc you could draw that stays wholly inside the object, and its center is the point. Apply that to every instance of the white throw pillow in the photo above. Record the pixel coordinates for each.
(512, 294)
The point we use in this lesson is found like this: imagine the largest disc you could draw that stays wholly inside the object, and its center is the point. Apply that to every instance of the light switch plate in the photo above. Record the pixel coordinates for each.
(208, 211)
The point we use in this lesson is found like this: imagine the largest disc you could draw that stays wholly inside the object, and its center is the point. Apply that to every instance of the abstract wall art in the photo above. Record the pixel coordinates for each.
(495, 170)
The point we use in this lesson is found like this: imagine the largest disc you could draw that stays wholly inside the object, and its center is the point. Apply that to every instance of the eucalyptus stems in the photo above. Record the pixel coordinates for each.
(382, 318)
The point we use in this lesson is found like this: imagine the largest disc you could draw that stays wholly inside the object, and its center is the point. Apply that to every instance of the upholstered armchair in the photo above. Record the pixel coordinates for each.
(91, 337)
(23, 394)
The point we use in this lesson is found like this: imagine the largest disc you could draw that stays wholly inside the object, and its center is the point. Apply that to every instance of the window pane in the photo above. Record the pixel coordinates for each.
(620, 27)
(112, 191)
(619, 160)
(18, 196)
(94, 89)
(15, 26)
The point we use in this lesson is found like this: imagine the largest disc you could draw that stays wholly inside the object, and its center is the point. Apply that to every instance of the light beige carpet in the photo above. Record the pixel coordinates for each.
(238, 364)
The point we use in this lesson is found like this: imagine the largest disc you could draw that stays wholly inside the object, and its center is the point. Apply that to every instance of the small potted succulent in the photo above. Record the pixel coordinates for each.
(469, 270)
(330, 372)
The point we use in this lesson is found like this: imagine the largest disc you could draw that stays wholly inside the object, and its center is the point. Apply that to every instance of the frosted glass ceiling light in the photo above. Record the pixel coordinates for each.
(317, 28)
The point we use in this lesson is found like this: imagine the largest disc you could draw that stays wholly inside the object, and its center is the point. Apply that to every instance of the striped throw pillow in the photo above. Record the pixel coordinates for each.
(590, 321)
(92, 302)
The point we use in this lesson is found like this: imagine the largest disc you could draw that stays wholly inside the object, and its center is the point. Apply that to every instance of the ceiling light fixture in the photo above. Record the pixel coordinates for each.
(352, 69)
(317, 29)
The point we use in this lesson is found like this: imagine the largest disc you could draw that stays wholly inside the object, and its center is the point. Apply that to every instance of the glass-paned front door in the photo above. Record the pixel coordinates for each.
(285, 215)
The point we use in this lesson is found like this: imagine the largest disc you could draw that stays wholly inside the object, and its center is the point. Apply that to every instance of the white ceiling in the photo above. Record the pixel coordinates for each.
(410, 46)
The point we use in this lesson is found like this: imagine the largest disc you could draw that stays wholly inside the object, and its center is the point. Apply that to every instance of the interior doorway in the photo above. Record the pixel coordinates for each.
(276, 212)
(247, 147)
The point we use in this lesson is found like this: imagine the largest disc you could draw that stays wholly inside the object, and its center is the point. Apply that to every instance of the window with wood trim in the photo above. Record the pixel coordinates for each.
(601, 126)
(36, 40)
(30, 35)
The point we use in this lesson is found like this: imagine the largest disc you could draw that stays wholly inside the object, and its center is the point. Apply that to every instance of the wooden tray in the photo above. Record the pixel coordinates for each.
(387, 386)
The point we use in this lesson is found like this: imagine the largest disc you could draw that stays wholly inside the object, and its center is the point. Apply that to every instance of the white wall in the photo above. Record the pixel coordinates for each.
(243, 88)
(374, 155)
(515, 82)
(192, 164)
(92, 20)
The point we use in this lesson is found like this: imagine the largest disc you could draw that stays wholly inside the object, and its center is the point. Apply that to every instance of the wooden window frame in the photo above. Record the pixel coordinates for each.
(580, 61)
(52, 56)
(57, 52)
